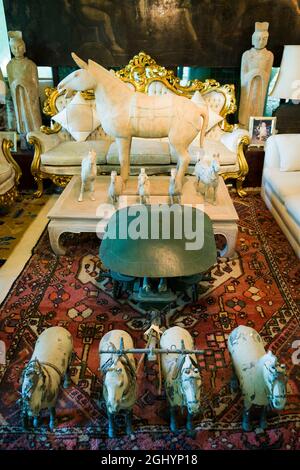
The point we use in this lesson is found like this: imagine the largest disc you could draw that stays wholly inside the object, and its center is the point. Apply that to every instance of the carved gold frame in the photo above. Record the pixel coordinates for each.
(10, 196)
(141, 71)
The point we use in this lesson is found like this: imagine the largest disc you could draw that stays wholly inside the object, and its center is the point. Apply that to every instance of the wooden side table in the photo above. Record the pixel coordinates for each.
(255, 158)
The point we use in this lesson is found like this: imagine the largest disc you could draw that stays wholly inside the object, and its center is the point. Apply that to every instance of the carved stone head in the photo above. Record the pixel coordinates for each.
(261, 35)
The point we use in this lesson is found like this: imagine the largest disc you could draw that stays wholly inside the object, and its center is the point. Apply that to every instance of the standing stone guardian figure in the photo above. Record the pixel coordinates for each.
(24, 85)
(256, 70)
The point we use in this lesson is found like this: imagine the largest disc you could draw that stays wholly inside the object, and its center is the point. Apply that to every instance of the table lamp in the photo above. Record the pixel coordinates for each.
(287, 87)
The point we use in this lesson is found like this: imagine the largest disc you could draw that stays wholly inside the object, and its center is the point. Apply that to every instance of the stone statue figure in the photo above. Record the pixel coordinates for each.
(256, 69)
(24, 85)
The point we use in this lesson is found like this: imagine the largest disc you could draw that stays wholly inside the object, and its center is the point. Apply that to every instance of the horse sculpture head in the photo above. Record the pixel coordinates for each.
(79, 80)
(33, 387)
(186, 371)
(275, 379)
(117, 382)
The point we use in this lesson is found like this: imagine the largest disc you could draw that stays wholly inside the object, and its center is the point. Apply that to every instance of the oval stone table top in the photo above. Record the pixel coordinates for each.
(154, 241)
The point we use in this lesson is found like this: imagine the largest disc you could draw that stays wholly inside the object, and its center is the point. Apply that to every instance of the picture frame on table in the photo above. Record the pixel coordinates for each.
(260, 128)
(10, 135)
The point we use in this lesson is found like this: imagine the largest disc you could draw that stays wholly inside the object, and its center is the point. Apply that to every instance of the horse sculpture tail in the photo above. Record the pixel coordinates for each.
(204, 115)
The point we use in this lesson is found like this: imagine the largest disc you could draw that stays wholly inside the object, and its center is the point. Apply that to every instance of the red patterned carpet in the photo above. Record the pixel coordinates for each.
(260, 289)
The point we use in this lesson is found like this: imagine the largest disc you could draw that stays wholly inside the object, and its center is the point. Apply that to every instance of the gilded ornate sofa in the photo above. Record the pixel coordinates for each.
(10, 174)
(58, 157)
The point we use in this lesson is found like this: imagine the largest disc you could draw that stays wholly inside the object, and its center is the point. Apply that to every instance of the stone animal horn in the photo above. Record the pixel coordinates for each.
(78, 61)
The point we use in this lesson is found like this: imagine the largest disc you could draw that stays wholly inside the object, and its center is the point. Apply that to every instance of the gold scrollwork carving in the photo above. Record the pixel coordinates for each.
(10, 196)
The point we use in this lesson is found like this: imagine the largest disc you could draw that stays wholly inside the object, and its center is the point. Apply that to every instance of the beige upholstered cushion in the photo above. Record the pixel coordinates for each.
(211, 147)
(231, 139)
(289, 151)
(7, 183)
(143, 152)
(72, 152)
(292, 204)
(284, 184)
(79, 117)
(6, 170)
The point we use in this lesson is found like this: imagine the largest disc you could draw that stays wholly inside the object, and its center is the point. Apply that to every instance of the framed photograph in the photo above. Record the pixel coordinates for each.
(260, 128)
(10, 135)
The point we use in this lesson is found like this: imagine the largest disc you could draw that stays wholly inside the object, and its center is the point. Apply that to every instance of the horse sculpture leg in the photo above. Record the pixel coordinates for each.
(162, 286)
(189, 422)
(183, 160)
(173, 425)
(36, 420)
(80, 199)
(128, 419)
(52, 421)
(111, 425)
(246, 420)
(124, 156)
(92, 189)
(263, 418)
(146, 285)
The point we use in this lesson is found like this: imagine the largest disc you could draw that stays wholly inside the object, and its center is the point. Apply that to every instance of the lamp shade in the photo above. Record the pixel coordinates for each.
(287, 85)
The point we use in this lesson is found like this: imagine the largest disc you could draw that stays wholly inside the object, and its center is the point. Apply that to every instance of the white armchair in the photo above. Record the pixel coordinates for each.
(10, 173)
(281, 184)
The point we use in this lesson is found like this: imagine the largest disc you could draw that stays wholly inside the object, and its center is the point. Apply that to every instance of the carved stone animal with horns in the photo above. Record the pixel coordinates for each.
(181, 375)
(42, 377)
(119, 383)
(261, 379)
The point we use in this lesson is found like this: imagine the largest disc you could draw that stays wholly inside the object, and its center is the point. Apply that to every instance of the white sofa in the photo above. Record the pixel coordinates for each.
(281, 184)
(10, 173)
(58, 157)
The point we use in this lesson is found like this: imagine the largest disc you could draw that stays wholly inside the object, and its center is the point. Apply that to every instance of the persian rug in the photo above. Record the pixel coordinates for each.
(15, 220)
(260, 288)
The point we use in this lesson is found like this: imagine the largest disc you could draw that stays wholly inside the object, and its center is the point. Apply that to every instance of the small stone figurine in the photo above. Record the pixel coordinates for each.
(181, 375)
(174, 190)
(88, 175)
(115, 187)
(42, 377)
(207, 173)
(261, 379)
(143, 187)
(119, 377)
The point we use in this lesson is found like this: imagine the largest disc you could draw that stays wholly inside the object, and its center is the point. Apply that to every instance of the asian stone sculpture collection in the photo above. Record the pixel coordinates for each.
(261, 378)
(24, 86)
(256, 70)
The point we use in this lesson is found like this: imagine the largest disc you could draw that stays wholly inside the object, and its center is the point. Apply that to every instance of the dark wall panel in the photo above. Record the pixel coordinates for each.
(187, 32)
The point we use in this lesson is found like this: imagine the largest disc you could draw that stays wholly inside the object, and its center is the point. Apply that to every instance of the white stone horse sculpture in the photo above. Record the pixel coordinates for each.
(207, 172)
(125, 113)
(42, 377)
(174, 191)
(88, 174)
(115, 187)
(261, 379)
(144, 186)
(181, 375)
(119, 384)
